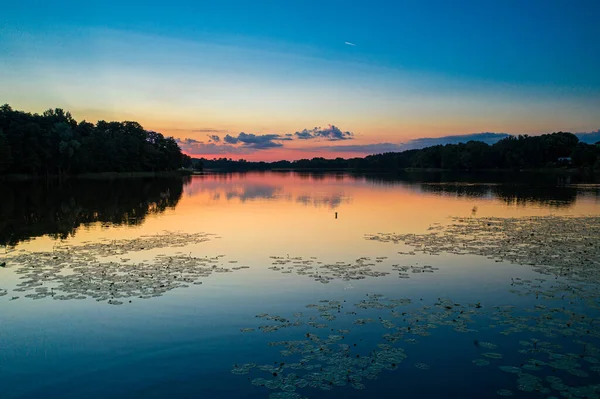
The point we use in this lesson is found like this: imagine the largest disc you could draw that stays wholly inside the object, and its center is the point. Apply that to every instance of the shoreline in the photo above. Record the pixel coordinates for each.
(182, 173)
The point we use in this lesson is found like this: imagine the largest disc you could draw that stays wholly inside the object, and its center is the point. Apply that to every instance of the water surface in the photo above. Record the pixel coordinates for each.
(175, 315)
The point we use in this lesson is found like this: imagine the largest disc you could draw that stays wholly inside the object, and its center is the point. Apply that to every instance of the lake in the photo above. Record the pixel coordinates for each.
(294, 284)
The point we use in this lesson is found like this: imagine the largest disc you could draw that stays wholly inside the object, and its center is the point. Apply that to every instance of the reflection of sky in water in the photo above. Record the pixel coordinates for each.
(247, 188)
(185, 342)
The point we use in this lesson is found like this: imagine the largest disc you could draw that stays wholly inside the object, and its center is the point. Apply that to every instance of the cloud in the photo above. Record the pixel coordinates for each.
(208, 130)
(488, 138)
(214, 138)
(195, 147)
(331, 133)
(378, 148)
(350, 44)
(256, 141)
(197, 130)
(589, 138)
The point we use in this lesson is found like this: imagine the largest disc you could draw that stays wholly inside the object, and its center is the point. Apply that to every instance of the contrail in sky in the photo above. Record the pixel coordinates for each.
(350, 44)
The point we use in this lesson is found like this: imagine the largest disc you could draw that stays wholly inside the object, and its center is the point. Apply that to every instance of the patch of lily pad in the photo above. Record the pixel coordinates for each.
(81, 272)
(359, 269)
(554, 335)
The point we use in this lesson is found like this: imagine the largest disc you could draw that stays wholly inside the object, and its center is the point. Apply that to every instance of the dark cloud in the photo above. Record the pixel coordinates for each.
(589, 138)
(378, 148)
(331, 133)
(488, 138)
(195, 147)
(256, 141)
(230, 139)
(214, 138)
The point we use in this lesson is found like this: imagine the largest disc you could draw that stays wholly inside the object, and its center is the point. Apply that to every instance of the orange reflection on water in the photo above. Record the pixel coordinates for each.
(276, 212)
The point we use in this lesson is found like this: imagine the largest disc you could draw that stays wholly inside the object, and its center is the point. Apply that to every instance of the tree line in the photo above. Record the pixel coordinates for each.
(555, 150)
(54, 143)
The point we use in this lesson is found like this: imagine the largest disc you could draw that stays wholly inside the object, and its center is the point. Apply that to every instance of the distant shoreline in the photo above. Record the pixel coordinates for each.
(181, 173)
(571, 171)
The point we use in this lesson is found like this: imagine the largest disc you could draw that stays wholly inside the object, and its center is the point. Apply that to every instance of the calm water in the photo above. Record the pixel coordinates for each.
(80, 318)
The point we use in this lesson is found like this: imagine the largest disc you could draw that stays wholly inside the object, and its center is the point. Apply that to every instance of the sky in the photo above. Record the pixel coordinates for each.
(270, 80)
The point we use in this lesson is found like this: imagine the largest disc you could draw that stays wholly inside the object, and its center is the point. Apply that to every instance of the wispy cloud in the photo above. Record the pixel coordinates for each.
(589, 138)
(489, 138)
(350, 44)
(378, 148)
(248, 143)
(196, 147)
(208, 130)
(331, 133)
(197, 130)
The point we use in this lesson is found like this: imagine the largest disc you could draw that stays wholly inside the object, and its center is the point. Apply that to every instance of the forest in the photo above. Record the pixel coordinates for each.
(56, 144)
(549, 151)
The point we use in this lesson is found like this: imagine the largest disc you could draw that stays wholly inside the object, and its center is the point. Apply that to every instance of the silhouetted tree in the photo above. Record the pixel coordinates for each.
(54, 143)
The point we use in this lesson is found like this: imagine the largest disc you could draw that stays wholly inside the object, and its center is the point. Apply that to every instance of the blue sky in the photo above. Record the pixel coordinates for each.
(418, 68)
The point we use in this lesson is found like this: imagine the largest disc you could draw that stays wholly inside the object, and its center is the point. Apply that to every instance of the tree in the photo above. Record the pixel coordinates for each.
(55, 143)
(67, 146)
(5, 153)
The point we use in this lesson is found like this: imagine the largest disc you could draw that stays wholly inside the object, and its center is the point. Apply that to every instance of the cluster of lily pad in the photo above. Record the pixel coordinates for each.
(81, 272)
(559, 245)
(337, 357)
(331, 358)
(555, 349)
(359, 269)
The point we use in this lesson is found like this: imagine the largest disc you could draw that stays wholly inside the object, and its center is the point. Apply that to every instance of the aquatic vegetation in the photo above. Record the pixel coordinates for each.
(359, 269)
(87, 271)
(564, 246)
(504, 392)
(326, 362)
(333, 360)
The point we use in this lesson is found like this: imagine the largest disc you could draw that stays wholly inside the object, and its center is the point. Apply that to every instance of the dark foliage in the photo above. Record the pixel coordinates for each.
(55, 144)
(556, 150)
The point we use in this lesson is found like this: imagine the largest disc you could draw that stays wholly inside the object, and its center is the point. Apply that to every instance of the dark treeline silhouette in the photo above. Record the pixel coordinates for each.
(56, 144)
(29, 209)
(556, 150)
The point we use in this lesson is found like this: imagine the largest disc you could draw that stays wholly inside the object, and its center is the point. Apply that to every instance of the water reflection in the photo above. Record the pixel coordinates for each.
(521, 195)
(33, 209)
(264, 186)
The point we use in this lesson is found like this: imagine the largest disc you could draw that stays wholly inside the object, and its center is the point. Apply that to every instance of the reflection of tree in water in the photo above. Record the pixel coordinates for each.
(516, 189)
(33, 209)
(521, 195)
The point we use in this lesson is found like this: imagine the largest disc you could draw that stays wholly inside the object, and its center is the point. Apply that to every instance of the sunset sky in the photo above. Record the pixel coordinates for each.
(269, 80)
